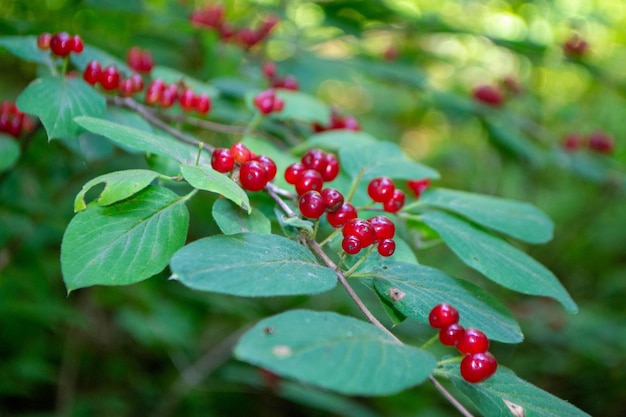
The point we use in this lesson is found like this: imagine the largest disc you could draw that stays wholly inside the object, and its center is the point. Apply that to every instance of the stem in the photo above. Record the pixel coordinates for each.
(431, 341)
(354, 185)
(451, 360)
(256, 120)
(272, 190)
(450, 397)
(359, 262)
(200, 146)
(330, 237)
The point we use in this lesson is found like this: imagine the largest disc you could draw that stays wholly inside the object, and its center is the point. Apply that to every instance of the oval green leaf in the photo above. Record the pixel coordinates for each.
(25, 47)
(515, 218)
(9, 152)
(57, 101)
(415, 289)
(505, 392)
(333, 140)
(118, 186)
(497, 259)
(335, 352)
(207, 179)
(251, 265)
(232, 219)
(126, 242)
(382, 159)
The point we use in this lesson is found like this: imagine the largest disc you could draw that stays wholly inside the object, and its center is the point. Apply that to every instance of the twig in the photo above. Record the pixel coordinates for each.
(208, 125)
(450, 397)
(273, 192)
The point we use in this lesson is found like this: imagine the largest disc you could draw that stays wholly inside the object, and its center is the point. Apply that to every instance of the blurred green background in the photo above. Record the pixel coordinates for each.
(406, 70)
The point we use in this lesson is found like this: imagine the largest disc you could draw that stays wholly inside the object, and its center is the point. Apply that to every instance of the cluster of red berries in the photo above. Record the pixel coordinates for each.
(267, 102)
(60, 44)
(255, 171)
(110, 79)
(287, 82)
(383, 190)
(575, 46)
(478, 364)
(140, 60)
(165, 95)
(337, 121)
(212, 16)
(12, 121)
(597, 141)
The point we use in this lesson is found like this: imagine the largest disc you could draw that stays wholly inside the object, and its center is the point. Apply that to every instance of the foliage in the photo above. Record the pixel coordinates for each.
(122, 192)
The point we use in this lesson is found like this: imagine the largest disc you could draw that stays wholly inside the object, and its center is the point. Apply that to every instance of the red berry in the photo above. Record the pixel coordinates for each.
(575, 47)
(443, 315)
(290, 83)
(15, 125)
(169, 96)
(309, 180)
(350, 123)
(269, 70)
(137, 82)
(478, 367)
(333, 199)
(386, 247)
(293, 172)
(77, 44)
(269, 164)
(451, 335)
(473, 341)
(253, 176)
(332, 168)
(396, 202)
(187, 99)
(573, 141)
(351, 244)
(384, 228)
(264, 101)
(110, 78)
(139, 60)
(315, 159)
(312, 205)
(154, 91)
(43, 41)
(601, 142)
(92, 72)
(489, 95)
(61, 44)
(241, 153)
(279, 104)
(126, 88)
(361, 229)
(418, 186)
(222, 160)
(340, 217)
(381, 189)
(203, 103)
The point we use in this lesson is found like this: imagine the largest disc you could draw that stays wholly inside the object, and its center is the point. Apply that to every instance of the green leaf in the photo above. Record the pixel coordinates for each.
(491, 396)
(231, 219)
(251, 265)
(172, 76)
(333, 140)
(514, 218)
(141, 140)
(503, 134)
(497, 259)
(126, 242)
(334, 352)
(57, 101)
(9, 152)
(415, 289)
(25, 47)
(301, 106)
(206, 178)
(118, 186)
(382, 159)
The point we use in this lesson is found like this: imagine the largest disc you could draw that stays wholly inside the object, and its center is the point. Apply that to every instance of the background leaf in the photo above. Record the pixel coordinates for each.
(301, 106)
(514, 218)
(496, 259)
(333, 140)
(118, 186)
(125, 242)
(206, 178)
(65, 99)
(335, 352)
(232, 219)
(252, 265)
(172, 76)
(382, 159)
(423, 287)
(9, 152)
(25, 47)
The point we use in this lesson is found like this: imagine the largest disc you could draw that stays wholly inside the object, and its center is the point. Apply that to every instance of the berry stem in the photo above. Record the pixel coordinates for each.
(449, 361)
(200, 146)
(354, 186)
(254, 122)
(430, 341)
(450, 397)
(274, 192)
(330, 237)
(359, 262)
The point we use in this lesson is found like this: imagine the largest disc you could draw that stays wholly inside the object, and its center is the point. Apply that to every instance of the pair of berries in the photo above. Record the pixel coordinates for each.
(60, 44)
(597, 141)
(140, 60)
(337, 121)
(489, 95)
(359, 233)
(314, 169)
(12, 121)
(287, 82)
(477, 364)
(158, 93)
(110, 79)
(383, 190)
(267, 102)
(255, 171)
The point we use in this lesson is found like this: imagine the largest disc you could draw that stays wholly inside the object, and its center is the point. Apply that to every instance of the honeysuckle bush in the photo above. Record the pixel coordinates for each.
(133, 224)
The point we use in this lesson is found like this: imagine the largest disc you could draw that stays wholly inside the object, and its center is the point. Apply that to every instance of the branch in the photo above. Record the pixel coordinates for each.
(208, 125)
(450, 397)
